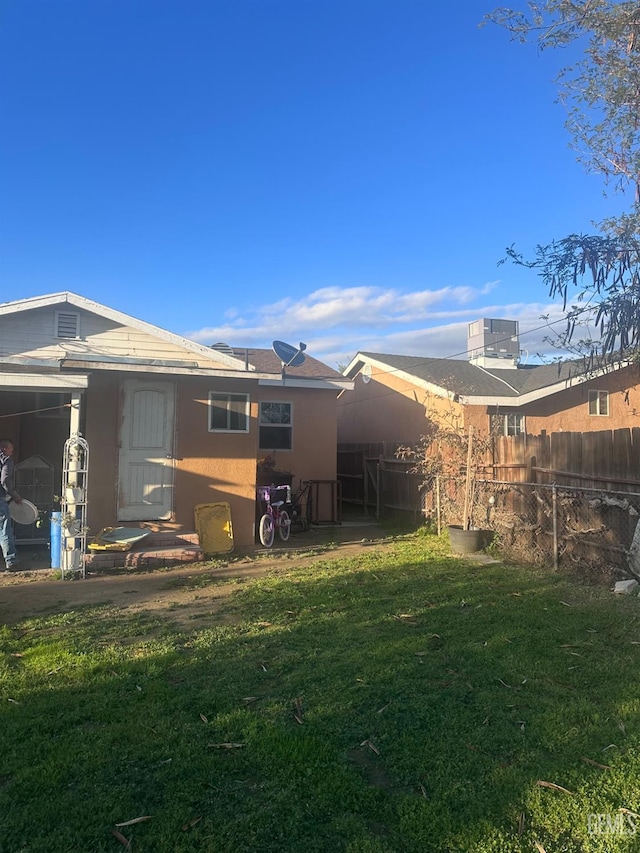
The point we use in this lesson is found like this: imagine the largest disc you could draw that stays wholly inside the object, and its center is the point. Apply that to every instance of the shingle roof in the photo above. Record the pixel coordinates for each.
(532, 377)
(455, 375)
(470, 380)
(266, 361)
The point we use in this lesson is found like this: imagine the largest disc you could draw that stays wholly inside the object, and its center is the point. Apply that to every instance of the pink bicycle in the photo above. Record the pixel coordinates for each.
(275, 517)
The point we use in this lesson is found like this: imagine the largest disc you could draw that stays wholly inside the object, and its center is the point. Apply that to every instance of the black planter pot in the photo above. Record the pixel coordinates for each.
(466, 541)
(274, 478)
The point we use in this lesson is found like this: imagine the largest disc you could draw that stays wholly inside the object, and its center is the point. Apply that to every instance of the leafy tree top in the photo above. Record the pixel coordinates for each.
(601, 91)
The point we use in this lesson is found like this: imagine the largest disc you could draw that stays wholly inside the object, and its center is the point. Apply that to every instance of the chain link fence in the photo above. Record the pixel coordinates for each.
(588, 529)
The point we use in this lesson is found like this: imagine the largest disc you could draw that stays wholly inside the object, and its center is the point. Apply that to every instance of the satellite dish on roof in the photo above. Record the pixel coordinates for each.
(290, 356)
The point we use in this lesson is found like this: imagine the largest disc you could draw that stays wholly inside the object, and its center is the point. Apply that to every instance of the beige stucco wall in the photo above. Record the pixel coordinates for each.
(222, 466)
(210, 467)
(568, 410)
(389, 409)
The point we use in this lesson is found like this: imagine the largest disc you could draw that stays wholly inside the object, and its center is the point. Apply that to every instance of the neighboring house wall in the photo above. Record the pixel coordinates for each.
(393, 410)
(389, 408)
(568, 410)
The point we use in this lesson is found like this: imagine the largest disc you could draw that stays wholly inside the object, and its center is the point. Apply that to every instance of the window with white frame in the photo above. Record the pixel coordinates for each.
(598, 402)
(276, 426)
(509, 423)
(228, 412)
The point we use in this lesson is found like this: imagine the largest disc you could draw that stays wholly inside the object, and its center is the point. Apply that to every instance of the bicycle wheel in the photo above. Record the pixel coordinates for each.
(284, 525)
(266, 530)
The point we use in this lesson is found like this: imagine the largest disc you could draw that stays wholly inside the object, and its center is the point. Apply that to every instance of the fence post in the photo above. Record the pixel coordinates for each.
(438, 519)
(554, 503)
(378, 481)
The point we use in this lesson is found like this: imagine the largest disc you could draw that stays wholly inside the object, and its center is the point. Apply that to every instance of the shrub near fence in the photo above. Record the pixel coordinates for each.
(589, 530)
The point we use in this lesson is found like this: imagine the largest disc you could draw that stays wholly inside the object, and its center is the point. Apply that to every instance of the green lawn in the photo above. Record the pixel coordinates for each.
(400, 701)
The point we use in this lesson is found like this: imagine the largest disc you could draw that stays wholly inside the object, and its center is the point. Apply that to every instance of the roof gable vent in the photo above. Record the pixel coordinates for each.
(224, 348)
(67, 325)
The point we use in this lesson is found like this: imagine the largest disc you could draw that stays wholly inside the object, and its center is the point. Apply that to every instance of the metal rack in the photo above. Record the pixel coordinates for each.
(73, 505)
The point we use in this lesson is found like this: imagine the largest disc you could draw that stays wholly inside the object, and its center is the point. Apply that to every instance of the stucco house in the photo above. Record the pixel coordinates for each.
(170, 423)
(492, 389)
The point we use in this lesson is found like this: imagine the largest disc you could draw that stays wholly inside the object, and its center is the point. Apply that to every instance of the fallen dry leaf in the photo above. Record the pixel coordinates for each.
(596, 764)
(227, 745)
(124, 841)
(539, 847)
(135, 820)
(203, 718)
(371, 746)
(553, 786)
(191, 823)
(628, 811)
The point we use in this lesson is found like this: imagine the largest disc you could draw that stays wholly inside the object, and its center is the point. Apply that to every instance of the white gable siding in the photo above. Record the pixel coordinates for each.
(33, 334)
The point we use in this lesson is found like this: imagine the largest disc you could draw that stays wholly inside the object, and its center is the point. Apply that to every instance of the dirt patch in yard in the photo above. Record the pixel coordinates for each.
(189, 595)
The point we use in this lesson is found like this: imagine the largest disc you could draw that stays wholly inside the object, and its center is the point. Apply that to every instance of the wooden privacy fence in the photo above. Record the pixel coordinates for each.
(559, 498)
(374, 478)
(608, 459)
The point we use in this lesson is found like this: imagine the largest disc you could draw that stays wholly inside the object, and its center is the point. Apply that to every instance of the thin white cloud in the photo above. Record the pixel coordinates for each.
(333, 307)
(335, 323)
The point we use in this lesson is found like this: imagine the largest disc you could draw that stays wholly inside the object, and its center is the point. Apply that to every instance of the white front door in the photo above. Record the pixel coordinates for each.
(145, 474)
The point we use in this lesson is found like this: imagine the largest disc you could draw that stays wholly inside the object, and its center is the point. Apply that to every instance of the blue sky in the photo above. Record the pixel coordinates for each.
(343, 172)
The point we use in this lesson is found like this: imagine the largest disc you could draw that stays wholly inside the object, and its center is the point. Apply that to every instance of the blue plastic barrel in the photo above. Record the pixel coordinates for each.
(56, 539)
